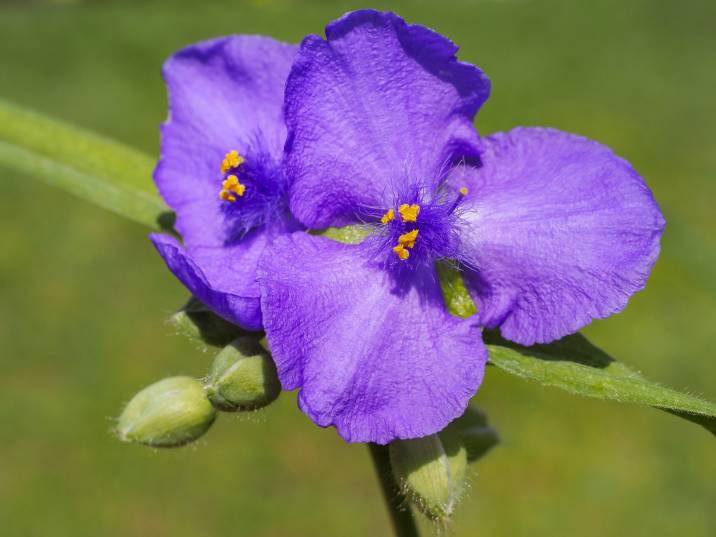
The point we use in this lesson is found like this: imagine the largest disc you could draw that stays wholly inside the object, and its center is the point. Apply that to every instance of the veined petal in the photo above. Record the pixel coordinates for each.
(559, 231)
(377, 101)
(223, 278)
(376, 362)
(225, 94)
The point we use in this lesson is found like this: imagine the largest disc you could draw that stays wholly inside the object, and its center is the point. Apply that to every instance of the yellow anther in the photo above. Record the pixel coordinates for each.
(402, 253)
(409, 212)
(408, 239)
(231, 184)
(232, 160)
(388, 217)
(464, 191)
(226, 196)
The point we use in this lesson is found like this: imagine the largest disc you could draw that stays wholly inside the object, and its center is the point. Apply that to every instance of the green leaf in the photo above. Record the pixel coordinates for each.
(577, 366)
(101, 171)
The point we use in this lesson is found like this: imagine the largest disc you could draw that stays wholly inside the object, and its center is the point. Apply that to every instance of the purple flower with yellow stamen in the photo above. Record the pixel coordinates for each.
(550, 230)
(221, 168)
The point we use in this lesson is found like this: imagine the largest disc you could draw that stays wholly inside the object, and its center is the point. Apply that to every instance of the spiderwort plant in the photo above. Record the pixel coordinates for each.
(550, 230)
(221, 168)
(369, 128)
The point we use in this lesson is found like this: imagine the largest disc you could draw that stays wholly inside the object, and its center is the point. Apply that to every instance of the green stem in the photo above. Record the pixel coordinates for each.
(400, 512)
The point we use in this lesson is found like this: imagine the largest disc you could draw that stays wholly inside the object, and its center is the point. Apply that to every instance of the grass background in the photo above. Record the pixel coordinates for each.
(84, 298)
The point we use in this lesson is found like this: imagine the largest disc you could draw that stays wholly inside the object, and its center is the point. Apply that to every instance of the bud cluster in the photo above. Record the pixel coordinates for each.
(178, 410)
(431, 471)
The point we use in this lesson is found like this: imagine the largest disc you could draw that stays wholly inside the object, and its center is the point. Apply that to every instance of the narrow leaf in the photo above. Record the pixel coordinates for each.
(577, 366)
(106, 173)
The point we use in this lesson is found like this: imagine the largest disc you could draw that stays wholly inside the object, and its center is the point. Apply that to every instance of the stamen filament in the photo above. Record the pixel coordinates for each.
(463, 191)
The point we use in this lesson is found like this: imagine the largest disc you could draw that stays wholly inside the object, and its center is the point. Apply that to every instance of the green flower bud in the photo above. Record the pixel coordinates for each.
(432, 473)
(474, 431)
(242, 377)
(169, 413)
(198, 322)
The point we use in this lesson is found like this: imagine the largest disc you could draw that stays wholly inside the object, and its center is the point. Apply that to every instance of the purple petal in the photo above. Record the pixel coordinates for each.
(377, 100)
(225, 94)
(223, 278)
(560, 231)
(376, 363)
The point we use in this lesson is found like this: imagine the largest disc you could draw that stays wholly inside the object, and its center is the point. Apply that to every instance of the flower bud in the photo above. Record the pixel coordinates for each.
(169, 413)
(431, 472)
(198, 322)
(242, 377)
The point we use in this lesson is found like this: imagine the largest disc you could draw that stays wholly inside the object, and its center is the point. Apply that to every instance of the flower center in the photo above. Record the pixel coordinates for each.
(435, 221)
(231, 184)
(253, 190)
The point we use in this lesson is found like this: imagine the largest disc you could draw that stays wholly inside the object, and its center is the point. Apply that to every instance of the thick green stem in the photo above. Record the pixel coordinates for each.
(400, 512)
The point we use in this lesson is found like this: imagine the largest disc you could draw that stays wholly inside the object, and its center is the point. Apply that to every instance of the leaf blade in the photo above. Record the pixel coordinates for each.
(94, 168)
(575, 365)
(590, 372)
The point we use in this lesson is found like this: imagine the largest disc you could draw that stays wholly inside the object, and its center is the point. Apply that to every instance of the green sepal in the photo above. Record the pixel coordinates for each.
(197, 322)
(242, 377)
(346, 235)
(474, 431)
(457, 298)
(432, 472)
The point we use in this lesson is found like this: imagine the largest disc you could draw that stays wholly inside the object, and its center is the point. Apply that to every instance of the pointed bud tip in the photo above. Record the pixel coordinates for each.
(169, 413)
(432, 473)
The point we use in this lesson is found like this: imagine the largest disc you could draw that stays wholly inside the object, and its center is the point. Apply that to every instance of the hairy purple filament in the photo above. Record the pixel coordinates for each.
(260, 197)
(417, 229)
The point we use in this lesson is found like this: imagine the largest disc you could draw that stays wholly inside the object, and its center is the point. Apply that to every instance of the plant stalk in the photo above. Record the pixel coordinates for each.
(401, 514)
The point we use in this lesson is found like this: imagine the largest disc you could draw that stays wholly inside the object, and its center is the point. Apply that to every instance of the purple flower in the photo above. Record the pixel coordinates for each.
(550, 230)
(221, 168)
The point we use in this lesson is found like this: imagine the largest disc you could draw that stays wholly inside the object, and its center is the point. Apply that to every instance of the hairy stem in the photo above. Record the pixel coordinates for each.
(400, 513)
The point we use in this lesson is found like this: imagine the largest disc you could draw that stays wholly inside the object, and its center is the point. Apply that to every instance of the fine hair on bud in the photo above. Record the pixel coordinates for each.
(431, 472)
(242, 377)
(169, 413)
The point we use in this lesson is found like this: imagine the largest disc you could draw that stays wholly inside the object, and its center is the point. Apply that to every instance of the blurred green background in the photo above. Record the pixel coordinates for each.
(84, 298)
